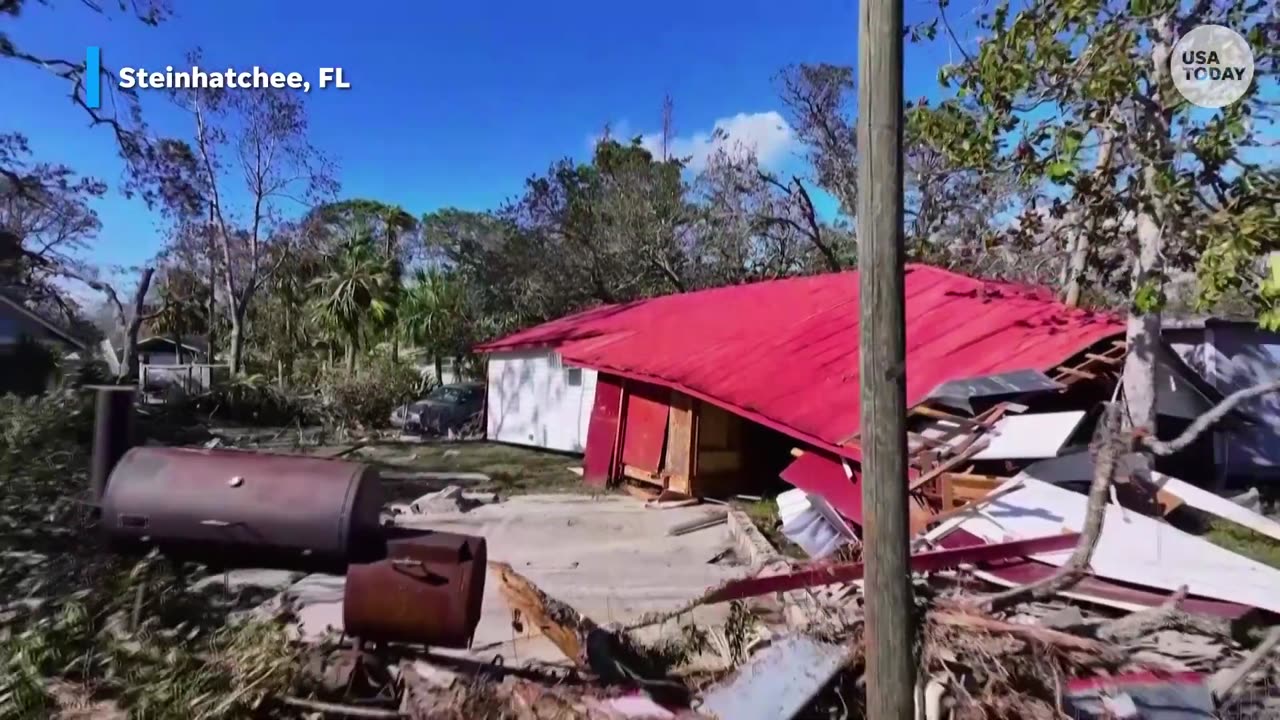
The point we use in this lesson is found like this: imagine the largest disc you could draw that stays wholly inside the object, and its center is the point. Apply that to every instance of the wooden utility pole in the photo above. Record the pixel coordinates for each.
(890, 619)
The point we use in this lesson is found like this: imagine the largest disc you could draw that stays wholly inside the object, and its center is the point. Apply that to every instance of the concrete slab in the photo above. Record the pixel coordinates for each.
(607, 556)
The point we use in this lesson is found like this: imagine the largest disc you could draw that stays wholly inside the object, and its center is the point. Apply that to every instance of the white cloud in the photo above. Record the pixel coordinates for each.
(764, 134)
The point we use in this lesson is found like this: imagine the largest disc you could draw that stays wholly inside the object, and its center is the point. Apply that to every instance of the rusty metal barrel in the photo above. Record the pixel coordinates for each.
(113, 432)
(428, 590)
(231, 508)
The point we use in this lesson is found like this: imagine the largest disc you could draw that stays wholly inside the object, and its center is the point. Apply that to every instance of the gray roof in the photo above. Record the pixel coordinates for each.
(30, 317)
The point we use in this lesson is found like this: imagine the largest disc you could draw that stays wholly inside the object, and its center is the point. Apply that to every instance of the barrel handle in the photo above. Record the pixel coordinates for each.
(427, 575)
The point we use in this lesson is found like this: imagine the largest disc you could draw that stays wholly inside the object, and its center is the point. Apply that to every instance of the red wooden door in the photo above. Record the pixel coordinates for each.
(602, 431)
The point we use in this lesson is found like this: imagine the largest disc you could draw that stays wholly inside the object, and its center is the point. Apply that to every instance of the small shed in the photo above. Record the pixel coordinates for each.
(535, 399)
(160, 350)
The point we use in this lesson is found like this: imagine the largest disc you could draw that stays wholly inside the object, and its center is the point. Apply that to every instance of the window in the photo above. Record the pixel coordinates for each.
(573, 376)
(555, 361)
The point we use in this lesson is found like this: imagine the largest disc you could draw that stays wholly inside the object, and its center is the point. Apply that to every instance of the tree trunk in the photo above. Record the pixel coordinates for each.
(177, 347)
(1078, 262)
(439, 370)
(1153, 223)
(129, 357)
(211, 312)
(351, 357)
(237, 340)
(395, 347)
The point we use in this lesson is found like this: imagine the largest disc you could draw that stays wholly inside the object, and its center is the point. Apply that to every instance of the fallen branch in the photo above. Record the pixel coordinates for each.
(1224, 685)
(1036, 633)
(1104, 471)
(1209, 419)
(344, 710)
(1167, 615)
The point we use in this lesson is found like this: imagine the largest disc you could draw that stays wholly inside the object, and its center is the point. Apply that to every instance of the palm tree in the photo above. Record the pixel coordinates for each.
(356, 292)
(431, 315)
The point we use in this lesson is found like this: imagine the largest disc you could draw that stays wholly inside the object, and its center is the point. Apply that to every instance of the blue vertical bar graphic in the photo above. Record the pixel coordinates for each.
(93, 77)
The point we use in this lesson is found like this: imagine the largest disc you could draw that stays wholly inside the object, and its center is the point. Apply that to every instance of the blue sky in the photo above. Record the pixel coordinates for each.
(452, 104)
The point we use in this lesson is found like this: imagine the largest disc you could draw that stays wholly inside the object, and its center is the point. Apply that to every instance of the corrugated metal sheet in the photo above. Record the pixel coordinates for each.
(784, 353)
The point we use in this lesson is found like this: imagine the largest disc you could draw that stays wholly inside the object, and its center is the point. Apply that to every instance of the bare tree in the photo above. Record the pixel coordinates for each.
(252, 146)
(821, 101)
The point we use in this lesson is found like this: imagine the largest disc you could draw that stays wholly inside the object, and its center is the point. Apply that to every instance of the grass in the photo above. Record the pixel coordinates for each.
(764, 514)
(512, 470)
(1244, 541)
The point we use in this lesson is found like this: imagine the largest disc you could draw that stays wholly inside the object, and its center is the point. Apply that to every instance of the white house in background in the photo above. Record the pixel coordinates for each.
(534, 399)
(1232, 355)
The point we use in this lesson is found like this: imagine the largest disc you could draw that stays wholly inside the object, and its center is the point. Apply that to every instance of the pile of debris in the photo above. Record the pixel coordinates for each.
(1034, 659)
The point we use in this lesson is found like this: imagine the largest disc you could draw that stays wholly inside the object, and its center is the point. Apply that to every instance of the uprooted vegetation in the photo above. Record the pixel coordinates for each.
(362, 400)
(80, 627)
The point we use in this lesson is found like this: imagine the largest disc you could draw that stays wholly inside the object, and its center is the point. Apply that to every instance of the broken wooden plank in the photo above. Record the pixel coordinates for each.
(1076, 372)
(825, 574)
(564, 626)
(949, 464)
(973, 505)
(778, 682)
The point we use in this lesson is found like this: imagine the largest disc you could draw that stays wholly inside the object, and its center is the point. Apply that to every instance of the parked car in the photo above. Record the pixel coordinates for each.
(447, 407)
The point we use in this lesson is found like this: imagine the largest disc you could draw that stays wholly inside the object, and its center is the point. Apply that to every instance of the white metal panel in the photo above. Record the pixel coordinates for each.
(534, 400)
(1040, 435)
(1131, 547)
(1078, 468)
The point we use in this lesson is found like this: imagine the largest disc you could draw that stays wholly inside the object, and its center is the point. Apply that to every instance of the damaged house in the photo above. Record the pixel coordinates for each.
(708, 393)
(720, 392)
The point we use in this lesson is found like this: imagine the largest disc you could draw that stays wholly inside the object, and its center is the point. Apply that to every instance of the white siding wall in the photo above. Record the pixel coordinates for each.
(1234, 357)
(534, 401)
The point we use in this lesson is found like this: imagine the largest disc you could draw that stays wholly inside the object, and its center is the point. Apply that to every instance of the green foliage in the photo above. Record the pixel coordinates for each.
(356, 293)
(1053, 78)
(438, 315)
(1240, 539)
(183, 659)
(367, 398)
(68, 630)
(251, 400)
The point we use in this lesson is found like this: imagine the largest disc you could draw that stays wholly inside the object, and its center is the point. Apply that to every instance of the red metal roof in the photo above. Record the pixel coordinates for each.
(784, 353)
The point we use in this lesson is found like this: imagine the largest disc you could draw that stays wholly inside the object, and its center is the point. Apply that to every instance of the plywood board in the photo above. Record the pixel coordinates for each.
(1132, 548)
(1026, 437)
(679, 460)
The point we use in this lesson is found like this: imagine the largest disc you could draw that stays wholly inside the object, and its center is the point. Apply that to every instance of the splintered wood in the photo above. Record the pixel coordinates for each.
(564, 626)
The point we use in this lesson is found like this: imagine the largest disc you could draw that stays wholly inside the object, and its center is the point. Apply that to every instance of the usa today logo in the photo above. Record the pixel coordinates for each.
(1212, 66)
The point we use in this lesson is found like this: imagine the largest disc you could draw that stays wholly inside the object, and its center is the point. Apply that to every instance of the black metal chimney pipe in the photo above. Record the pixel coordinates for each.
(113, 433)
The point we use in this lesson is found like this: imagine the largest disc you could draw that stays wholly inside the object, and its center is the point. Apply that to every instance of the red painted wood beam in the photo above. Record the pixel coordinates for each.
(826, 574)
